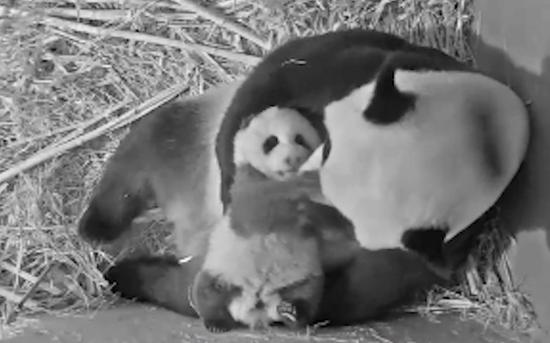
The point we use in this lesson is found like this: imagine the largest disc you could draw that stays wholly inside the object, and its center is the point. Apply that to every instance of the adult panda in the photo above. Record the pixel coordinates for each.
(419, 145)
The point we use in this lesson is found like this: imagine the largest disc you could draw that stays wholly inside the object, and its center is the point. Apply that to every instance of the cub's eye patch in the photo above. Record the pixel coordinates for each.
(270, 143)
(300, 140)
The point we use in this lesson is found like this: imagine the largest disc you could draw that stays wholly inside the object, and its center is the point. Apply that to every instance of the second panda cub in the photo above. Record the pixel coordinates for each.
(266, 259)
(276, 142)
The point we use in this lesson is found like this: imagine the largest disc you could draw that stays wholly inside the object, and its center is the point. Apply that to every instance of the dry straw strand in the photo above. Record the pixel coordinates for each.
(29, 277)
(225, 22)
(134, 114)
(142, 37)
(15, 298)
(15, 311)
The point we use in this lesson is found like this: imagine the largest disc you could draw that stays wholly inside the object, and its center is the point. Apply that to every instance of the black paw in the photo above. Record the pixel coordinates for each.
(218, 326)
(441, 269)
(427, 242)
(288, 312)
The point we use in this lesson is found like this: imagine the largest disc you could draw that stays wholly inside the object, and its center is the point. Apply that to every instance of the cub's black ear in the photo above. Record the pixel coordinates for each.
(388, 104)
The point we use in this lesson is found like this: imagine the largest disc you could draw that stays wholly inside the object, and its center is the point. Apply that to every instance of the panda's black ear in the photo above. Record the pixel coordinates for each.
(388, 104)
(385, 82)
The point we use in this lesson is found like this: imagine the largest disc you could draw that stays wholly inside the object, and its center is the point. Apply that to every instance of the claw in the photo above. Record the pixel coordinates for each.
(287, 311)
(217, 326)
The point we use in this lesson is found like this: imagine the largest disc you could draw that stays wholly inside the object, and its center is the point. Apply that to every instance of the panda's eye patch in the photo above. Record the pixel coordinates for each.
(270, 143)
(299, 139)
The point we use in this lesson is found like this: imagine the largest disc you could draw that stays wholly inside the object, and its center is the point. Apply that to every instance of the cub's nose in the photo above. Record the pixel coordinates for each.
(294, 161)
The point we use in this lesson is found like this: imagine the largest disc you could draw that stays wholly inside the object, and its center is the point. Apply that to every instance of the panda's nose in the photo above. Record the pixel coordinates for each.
(294, 162)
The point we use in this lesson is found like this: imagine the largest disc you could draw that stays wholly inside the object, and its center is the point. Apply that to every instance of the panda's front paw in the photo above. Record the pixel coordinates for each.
(287, 311)
(218, 326)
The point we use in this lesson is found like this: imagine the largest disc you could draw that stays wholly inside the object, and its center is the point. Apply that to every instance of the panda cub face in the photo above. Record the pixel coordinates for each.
(276, 142)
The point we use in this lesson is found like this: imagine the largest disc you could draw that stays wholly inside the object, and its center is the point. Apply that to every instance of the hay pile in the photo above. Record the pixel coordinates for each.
(75, 73)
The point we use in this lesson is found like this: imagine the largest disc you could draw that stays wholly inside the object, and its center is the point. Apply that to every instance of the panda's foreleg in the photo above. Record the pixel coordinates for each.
(300, 302)
(121, 195)
(161, 280)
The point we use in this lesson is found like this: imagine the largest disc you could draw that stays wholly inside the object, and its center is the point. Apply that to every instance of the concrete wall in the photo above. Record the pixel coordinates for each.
(512, 43)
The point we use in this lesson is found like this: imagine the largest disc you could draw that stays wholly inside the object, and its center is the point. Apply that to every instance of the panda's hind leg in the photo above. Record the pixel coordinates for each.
(211, 297)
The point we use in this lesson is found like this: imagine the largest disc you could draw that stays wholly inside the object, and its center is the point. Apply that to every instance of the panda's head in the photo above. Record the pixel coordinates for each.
(276, 142)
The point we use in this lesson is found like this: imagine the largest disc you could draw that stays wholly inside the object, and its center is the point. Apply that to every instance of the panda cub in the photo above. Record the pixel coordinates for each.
(266, 259)
(276, 142)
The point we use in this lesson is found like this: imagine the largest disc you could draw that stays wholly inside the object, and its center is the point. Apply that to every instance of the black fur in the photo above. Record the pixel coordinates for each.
(372, 285)
(309, 73)
(109, 215)
(214, 297)
(427, 242)
(388, 104)
(159, 280)
(302, 301)
(326, 150)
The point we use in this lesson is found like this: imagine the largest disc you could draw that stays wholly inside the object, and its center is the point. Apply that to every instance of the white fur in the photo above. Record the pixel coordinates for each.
(425, 170)
(286, 158)
(260, 264)
(314, 162)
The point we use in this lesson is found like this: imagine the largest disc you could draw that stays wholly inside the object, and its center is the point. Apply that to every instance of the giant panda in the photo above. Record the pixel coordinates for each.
(168, 158)
(266, 259)
(372, 268)
(418, 146)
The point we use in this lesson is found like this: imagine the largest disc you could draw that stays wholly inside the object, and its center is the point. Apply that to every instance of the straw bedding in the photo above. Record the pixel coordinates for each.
(74, 74)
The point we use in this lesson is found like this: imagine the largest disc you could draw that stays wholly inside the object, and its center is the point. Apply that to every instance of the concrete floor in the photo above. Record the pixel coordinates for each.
(133, 323)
